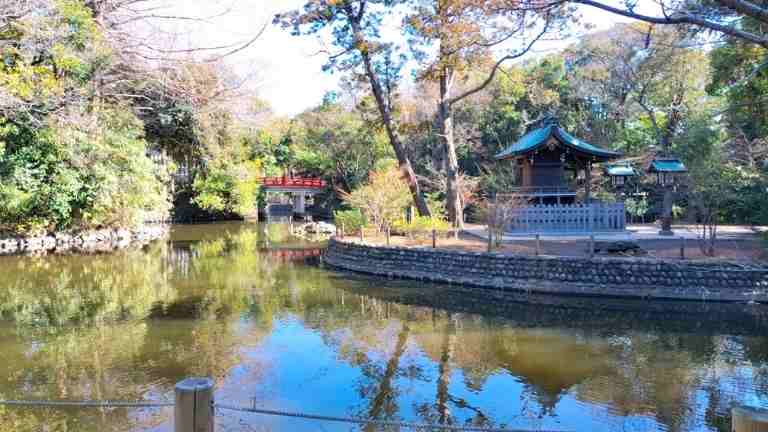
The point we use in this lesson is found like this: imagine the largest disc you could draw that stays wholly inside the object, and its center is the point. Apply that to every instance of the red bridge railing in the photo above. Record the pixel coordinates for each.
(291, 254)
(293, 182)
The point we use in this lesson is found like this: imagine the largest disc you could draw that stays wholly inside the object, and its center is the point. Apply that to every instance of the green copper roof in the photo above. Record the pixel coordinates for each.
(535, 139)
(527, 143)
(668, 165)
(620, 170)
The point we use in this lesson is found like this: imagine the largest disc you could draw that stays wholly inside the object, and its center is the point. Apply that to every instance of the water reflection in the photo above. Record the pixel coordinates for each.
(231, 301)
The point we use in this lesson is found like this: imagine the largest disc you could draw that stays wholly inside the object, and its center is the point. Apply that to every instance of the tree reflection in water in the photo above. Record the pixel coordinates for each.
(214, 302)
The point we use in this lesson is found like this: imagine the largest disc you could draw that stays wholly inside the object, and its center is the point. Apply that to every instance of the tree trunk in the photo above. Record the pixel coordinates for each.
(444, 372)
(709, 234)
(386, 117)
(588, 181)
(445, 124)
(666, 213)
(385, 394)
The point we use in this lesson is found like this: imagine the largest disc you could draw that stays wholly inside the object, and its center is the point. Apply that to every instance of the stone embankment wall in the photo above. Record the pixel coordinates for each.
(612, 277)
(85, 241)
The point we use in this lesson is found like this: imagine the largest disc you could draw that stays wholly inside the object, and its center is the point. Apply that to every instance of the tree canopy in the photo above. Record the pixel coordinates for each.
(99, 130)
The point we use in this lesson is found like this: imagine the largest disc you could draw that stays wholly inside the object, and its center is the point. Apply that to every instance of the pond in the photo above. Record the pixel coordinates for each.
(240, 303)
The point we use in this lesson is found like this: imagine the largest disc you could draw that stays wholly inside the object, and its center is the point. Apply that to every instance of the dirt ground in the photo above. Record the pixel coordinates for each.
(743, 249)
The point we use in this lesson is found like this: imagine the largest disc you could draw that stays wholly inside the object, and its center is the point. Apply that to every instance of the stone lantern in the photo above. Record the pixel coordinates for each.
(619, 174)
(667, 170)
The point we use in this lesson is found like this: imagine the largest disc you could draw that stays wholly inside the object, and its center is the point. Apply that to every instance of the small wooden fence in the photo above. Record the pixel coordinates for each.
(576, 218)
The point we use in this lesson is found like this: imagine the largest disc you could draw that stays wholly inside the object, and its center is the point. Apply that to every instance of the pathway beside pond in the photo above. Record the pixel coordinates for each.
(639, 232)
(739, 243)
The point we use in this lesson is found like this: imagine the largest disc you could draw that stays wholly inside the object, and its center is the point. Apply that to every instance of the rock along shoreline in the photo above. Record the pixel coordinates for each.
(90, 241)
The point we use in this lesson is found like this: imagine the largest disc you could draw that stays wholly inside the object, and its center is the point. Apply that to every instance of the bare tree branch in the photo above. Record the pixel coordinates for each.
(747, 8)
(496, 66)
(688, 18)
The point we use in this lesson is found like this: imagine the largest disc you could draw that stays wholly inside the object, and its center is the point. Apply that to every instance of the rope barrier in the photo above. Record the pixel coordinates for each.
(385, 423)
(86, 404)
(141, 404)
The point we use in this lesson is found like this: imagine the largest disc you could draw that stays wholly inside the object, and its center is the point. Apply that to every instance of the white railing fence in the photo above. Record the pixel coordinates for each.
(595, 217)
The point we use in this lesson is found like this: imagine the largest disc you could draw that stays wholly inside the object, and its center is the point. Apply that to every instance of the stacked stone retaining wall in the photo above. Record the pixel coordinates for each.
(599, 276)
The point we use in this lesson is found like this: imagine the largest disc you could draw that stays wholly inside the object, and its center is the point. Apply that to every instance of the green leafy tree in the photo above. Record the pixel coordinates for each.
(740, 74)
(354, 26)
(50, 57)
(334, 142)
(70, 175)
(229, 187)
(69, 158)
(464, 33)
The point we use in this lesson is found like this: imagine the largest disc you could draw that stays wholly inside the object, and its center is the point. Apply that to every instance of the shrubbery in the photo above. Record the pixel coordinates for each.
(382, 201)
(637, 208)
(73, 153)
(93, 172)
(383, 198)
(68, 158)
(422, 225)
(229, 187)
(351, 220)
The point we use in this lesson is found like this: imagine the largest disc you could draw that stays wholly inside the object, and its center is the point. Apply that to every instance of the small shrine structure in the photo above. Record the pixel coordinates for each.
(550, 165)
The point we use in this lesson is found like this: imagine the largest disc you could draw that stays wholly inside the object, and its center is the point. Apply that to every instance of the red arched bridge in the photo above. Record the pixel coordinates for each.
(299, 188)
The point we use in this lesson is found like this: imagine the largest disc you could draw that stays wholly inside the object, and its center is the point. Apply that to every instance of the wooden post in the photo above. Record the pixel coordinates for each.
(591, 246)
(588, 186)
(747, 419)
(342, 230)
(362, 235)
(193, 410)
(538, 245)
(682, 247)
(490, 239)
(666, 213)
(388, 234)
(434, 238)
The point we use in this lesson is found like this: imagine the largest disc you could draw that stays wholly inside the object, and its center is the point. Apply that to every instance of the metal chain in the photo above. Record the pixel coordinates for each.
(140, 404)
(87, 403)
(406, 425)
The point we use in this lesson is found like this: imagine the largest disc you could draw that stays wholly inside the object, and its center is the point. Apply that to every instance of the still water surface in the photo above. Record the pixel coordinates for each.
(225, 300)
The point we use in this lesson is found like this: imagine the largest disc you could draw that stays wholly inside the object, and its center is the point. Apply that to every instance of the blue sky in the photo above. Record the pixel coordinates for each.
(285, 69)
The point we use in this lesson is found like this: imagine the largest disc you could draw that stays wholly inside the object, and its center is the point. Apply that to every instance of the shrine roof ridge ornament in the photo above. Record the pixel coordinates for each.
(538, 138)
